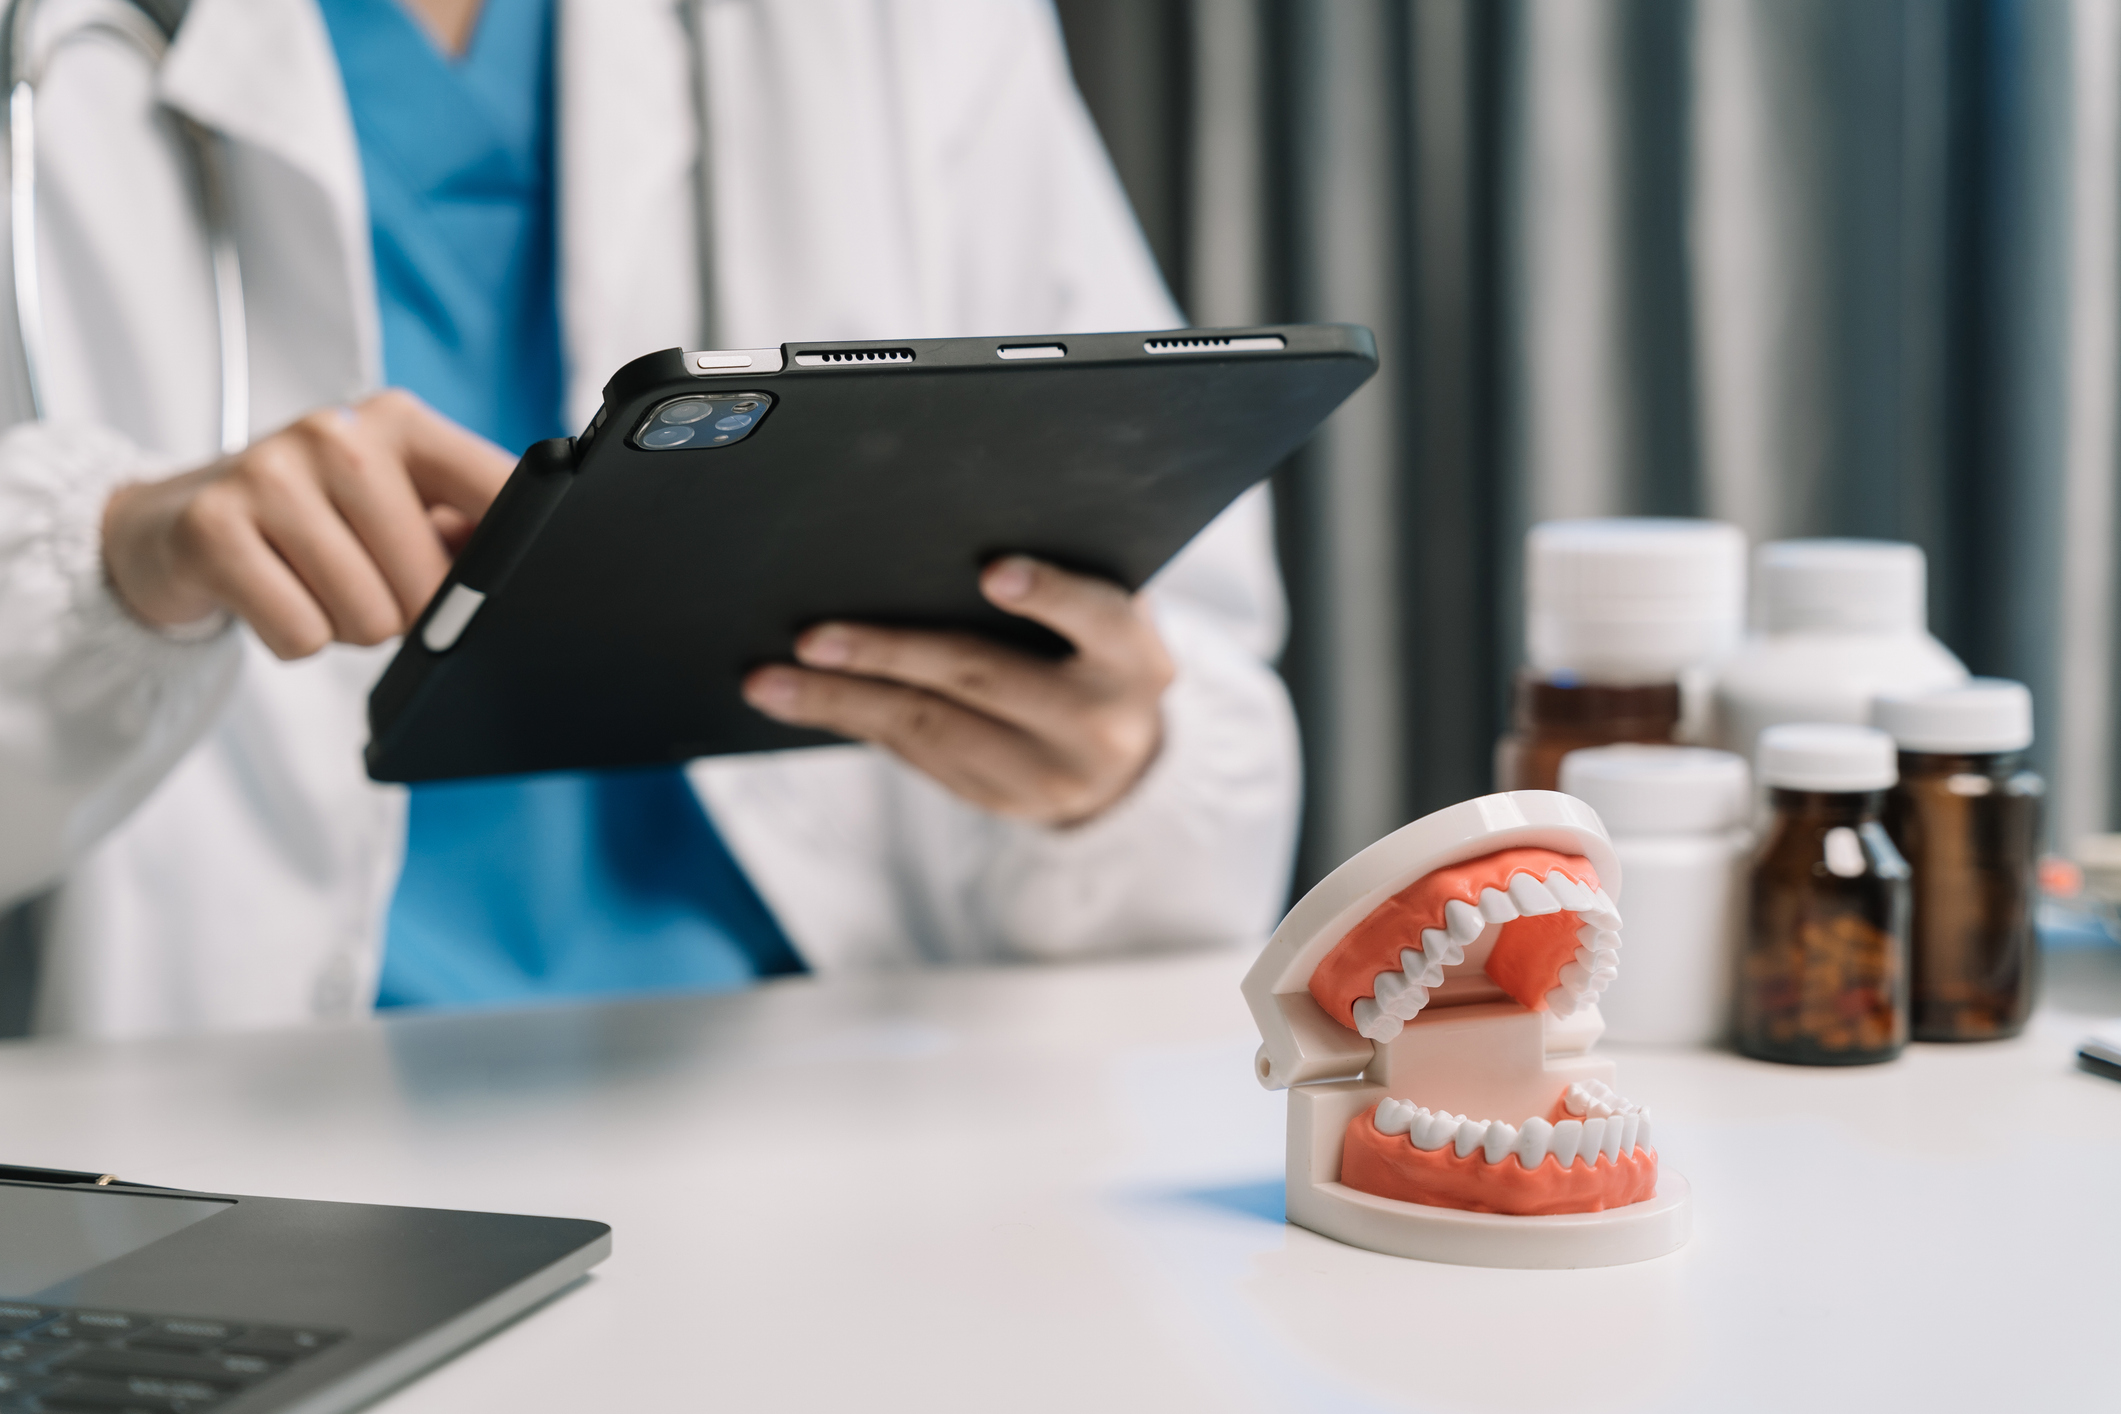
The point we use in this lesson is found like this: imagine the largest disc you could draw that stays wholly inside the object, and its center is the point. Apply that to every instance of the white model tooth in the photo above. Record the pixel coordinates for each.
(1431, 1131)
(1587, 935)
(1463, 921)
(1472, 1134)
(1573, 896)
(1642, 1135)
(1568, 1137)
(1630, 1131)
(1593, 1141)
(1531, 897)
(1615, 1131)
(1495, 906)
(1576, 1099)
(1394, 1116)
(1574, 976)
(1502, 1138)
(1371, 1021)
(1441, 949)
(1420, 967)
(1532, 1141)
(1562, 1002)
(1607, 940)
(1603, 912)
(1415, 964)
(1400, 996)
(1605, 957)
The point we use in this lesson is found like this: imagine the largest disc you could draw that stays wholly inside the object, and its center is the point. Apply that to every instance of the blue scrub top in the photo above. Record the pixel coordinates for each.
(558, 885)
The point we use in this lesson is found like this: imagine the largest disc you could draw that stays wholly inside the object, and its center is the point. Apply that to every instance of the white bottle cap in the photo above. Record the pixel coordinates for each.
(1979, 715)
(1632, 600)
(1875, 586)
(1816, 756)
(1659, 790)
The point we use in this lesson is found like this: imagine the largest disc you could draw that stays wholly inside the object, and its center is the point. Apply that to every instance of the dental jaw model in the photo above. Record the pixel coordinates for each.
(1431, 1007)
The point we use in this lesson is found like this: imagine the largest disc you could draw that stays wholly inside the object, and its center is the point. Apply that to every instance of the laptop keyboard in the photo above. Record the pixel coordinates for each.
(59, 1360)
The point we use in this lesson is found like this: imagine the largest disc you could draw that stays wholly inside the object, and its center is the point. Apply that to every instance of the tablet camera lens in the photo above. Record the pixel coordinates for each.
(732, 423)
(660, 437)
(747, 405)
(685, 410)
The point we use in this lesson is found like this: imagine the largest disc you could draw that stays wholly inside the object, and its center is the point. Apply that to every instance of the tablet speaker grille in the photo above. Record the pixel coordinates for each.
(1238, 343)
(847, 356)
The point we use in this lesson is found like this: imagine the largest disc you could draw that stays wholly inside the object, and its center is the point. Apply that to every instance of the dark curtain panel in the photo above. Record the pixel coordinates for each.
(1813, 266)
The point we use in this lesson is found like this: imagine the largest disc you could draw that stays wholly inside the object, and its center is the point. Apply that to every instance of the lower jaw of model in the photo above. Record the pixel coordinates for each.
(1597, 1155)
(1454, 979)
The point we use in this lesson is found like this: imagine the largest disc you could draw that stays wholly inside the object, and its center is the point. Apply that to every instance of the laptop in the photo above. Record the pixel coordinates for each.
(119, 1297)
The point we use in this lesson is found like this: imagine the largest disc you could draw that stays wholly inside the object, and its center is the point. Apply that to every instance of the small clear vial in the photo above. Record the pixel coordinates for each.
(1823, 975)
(1966, 814)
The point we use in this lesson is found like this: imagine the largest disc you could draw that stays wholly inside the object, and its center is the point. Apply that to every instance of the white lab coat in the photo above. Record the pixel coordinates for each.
(881, 168)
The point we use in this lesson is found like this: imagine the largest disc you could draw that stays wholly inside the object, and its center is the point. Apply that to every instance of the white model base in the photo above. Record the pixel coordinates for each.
(1612, 1238)
(1318, 1200)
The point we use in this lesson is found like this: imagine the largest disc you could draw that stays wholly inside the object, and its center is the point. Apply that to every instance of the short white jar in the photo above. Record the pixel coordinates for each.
(1677, 816)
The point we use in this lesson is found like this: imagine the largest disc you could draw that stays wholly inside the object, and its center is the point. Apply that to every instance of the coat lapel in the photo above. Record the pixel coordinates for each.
(627, 164)
(262, 74)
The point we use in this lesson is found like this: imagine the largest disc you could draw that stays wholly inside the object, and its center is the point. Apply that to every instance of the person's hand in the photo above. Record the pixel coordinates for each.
(1056, 742)
(338, 527)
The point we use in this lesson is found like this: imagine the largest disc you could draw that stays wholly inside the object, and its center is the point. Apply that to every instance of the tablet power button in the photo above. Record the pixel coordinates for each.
(449, 621)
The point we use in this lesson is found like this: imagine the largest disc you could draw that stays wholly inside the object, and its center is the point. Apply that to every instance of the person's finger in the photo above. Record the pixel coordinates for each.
(373, 491)
(449, 464)
(988, 677)
(453, 526)
(989, 763)
(244, 574)
(300, 522)
(1096, 615)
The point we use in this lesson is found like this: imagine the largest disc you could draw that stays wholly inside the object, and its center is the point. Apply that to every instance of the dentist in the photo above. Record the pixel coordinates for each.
(456, 218)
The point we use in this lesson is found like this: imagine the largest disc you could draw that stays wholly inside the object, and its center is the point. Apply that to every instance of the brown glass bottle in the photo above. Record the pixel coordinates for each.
(1969, 825)
(1823, 979)
(1553, 716)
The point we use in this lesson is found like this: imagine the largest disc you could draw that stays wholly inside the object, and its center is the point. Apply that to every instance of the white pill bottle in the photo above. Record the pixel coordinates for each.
(1837, 623)
(1677, 817)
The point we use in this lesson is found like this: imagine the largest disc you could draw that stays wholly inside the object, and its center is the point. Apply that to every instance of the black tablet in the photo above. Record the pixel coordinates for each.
(625, 581)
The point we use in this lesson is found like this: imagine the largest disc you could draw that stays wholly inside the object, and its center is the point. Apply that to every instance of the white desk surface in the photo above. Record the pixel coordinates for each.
(1042, 1190)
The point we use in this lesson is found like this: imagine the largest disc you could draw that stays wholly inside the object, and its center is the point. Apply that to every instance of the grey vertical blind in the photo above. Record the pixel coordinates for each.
(1814, 266)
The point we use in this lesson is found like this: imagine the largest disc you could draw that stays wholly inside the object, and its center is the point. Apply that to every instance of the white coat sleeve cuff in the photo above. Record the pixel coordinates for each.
(1199, 853)
(94, 704)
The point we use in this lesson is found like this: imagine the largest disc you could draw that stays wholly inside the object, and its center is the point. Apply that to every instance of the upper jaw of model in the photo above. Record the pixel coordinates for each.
(1456, 964)
(1374, 983)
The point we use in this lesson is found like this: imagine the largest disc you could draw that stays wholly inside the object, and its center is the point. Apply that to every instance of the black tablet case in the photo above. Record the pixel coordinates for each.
(628, 591)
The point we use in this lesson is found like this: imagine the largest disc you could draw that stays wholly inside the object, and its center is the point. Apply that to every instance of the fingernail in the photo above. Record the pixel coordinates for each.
(1009, 579)
(770, 691)
(826, 647)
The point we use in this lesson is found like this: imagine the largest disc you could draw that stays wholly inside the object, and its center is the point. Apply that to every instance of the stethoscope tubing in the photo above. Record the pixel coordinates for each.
(149, 27)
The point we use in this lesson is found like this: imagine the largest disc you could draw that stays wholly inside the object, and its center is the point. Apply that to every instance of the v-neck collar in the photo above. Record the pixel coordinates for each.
(469, 126)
